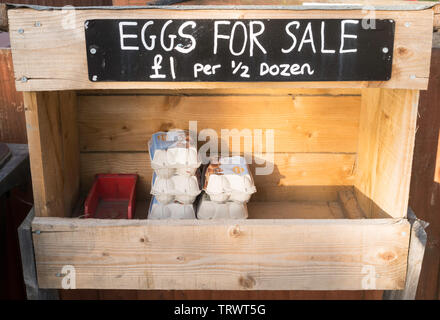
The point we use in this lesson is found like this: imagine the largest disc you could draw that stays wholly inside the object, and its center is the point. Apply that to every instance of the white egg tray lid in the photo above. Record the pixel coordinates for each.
(173, 149)
(228, 176)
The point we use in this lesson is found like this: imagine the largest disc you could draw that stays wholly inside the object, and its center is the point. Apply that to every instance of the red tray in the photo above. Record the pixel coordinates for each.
(112, 197)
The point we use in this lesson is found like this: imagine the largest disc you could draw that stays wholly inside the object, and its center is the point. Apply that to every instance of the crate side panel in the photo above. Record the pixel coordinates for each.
(54, 151)
(386, 144)
(245, 255)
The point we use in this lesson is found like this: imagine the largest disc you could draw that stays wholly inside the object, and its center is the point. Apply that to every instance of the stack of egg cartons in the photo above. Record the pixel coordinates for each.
(228, 185)
(175, 185)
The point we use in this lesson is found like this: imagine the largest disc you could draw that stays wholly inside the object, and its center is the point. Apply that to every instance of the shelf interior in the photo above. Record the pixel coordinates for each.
(344, 207)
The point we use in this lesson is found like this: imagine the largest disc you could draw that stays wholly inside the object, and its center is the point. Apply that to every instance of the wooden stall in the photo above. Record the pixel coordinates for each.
(331, 215)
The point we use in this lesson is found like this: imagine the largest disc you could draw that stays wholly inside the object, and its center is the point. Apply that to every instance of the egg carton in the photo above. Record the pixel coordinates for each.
(183, 189)
(211, 210)
(173, 153)
(228, 179)
(173, 210)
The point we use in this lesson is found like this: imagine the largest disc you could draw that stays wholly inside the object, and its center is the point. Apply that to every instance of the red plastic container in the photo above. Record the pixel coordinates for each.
(112, 196)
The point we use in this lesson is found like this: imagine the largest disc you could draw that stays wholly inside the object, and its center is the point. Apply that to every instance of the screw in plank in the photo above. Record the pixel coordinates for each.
(385, 50)
(93, 50)
(24, 79)
(38, 24)
(20, 31)
(95, 78)
(234, 231)
(407, 24)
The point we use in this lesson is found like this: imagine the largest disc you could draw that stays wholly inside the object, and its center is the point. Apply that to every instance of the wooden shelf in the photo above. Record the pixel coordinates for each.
(339, 209)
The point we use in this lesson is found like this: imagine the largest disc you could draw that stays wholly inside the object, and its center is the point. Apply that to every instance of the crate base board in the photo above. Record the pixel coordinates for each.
(256, 254)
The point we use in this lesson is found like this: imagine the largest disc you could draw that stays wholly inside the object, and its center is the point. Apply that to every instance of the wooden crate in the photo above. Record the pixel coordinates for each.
(332, 215)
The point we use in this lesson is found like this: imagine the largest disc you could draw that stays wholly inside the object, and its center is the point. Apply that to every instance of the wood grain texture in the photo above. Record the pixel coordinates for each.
(295, 210)
(415, 258)
(437, 162)
(437, 17)
(62, 3)
(300, 123)
(70, 147)
(3, 17)
(425, 191)
(294, 92)
(44, 152)
(349, 204)
(245, 255)
(12, 119)
(89, 294)
(276, 209)
(33, 292)
(301, 176)
(385, 151)
(53, 58)
(259, 2)
(53, 150)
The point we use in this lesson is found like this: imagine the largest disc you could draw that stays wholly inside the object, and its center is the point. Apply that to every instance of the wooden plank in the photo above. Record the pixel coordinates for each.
(33, 292)
(246, 255)
(53, 58)
(70, 148)
(425, 191)
(273, 209)
(437, 162)
(44, 151)
(62, 3)
(386, 143)
(230, 91)
(436, 17)
(230, 295)
(300, 123)
(3, 17)
(417, 246)
(12, 119)
(301, 176)
(53, 150)
(295, 210)
(349, 204)
(259, 2)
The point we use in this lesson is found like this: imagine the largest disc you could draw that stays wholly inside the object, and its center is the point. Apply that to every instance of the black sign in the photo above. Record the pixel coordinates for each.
(240, 50)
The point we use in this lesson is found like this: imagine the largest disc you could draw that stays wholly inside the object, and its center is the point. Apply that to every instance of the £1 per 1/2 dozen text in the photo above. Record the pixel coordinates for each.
(237, 37)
